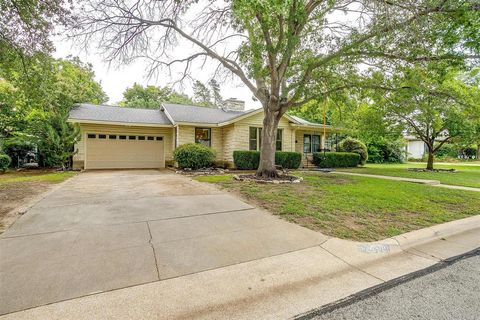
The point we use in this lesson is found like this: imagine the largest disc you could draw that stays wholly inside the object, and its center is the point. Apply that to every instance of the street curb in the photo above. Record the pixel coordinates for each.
(364, 294)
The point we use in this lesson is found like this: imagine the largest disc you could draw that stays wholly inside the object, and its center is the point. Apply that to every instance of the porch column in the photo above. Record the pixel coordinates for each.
(323, 141)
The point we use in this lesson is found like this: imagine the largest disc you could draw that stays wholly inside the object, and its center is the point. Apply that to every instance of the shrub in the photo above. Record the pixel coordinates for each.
(382, 151)
(288, 160)
(355, 146)
(249, 160)
(194, 156)
(246, 160)
(336, 159)
(4, 162)
(448, 150)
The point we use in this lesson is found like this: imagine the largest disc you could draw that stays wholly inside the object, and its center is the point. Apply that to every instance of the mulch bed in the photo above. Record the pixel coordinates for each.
(280, 179)
(434, 170)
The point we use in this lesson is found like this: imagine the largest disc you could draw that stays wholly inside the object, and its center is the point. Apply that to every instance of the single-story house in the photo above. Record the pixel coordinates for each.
(118, 137)
(415, 148)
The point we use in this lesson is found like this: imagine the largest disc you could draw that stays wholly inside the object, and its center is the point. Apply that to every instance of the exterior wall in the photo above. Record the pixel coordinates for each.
(186, 134)
(415, 149)
(241, 135)
(79, 157)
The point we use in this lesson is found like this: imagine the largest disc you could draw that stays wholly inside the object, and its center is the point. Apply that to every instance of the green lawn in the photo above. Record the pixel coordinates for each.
(356, 208)
(34, 176)
(466, 175)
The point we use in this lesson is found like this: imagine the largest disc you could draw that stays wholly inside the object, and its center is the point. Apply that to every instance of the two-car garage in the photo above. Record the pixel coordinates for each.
(123, 151)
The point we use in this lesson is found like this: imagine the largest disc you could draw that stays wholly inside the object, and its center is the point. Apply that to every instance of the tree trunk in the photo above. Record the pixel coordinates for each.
(266, 168)
(478, 151)
(430, 160)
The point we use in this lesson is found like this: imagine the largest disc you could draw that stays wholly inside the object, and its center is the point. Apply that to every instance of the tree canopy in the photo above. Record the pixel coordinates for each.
(286, 52)
(151, 97)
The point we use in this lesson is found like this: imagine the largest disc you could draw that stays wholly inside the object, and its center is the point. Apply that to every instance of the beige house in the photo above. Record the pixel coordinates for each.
(118, 137)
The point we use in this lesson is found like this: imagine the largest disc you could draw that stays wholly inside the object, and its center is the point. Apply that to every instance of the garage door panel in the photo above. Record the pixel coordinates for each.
(119, 154)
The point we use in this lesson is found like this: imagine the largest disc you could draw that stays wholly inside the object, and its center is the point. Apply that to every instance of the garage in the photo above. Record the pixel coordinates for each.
(123, 151)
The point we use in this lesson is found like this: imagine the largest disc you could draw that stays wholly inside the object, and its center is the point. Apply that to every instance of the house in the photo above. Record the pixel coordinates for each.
(118, 137)
(416, 148)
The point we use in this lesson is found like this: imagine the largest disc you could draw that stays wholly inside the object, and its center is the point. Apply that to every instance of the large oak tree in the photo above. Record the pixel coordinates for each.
(286, 52)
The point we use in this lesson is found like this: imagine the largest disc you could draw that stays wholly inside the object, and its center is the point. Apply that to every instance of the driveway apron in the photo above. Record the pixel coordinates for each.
(105, 230)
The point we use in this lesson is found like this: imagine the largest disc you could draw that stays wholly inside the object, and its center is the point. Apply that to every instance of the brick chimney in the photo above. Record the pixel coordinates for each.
(233, 104)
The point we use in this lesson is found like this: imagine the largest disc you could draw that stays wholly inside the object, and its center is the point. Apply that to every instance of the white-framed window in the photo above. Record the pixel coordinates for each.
(255, 139)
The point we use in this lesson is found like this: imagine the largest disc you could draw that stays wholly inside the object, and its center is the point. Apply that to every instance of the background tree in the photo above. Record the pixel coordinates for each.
(36, 102)
(289, 52)
(430, 103)
(201, 94)
(151, 97)
(217, 99)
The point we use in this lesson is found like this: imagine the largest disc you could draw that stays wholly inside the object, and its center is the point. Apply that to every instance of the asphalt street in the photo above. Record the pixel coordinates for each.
(452, 292)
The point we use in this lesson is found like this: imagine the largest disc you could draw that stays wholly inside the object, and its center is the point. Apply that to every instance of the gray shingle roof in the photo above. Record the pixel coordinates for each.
(305, 122)
(193, 114)
(118, 114)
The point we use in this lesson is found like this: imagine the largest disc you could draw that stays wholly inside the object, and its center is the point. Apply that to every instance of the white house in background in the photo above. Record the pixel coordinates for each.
(416, 148)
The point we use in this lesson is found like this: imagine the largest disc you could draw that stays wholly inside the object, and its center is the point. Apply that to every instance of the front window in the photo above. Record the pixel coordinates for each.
(203, 136)
(255, 139)
(279, 140)
(311, 143)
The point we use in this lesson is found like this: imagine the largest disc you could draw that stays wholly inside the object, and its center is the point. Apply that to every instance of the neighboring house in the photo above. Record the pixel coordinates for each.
(416, 148)
(119, 137)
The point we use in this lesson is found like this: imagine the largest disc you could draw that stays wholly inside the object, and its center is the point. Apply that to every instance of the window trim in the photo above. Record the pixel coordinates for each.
(209, 136)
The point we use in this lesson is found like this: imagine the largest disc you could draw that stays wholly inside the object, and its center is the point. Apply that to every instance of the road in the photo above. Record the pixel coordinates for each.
(452, 292)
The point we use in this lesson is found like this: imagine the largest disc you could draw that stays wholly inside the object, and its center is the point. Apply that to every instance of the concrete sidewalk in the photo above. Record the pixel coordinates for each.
(275, 287)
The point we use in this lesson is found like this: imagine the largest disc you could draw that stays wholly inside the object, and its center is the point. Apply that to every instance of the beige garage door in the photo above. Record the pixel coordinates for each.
(114, 151)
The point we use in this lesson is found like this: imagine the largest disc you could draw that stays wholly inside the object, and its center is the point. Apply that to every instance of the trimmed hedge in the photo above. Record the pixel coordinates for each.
(246, 160)
(354, 145)
(249, 160)
(336, 159)
(288, 160)
(4, 162)
(194, 156)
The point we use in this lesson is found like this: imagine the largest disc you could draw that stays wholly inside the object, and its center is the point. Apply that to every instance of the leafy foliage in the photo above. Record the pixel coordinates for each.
(385, 151)
(4, 162)
(336, 159)
(249, 160)
(356, 146)
(36, 102)
(151, 97)
(194, 156)
(288, 160)
(246, 160)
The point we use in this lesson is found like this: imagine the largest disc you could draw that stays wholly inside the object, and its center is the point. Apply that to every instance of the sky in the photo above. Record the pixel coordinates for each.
(115, 78)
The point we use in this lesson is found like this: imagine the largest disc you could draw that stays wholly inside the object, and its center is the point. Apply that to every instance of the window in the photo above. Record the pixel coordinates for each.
(159, 138)
(122, 137)
(132, 137)
(91, 136)
(279, 140)
(203, 136)
(102, 136)
(112, 136)
(311, 143)
(255, 139)
(141, 137)
(150, 138)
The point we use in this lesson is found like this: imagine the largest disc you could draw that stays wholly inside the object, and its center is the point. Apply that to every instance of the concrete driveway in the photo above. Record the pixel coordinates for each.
(107, 230)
